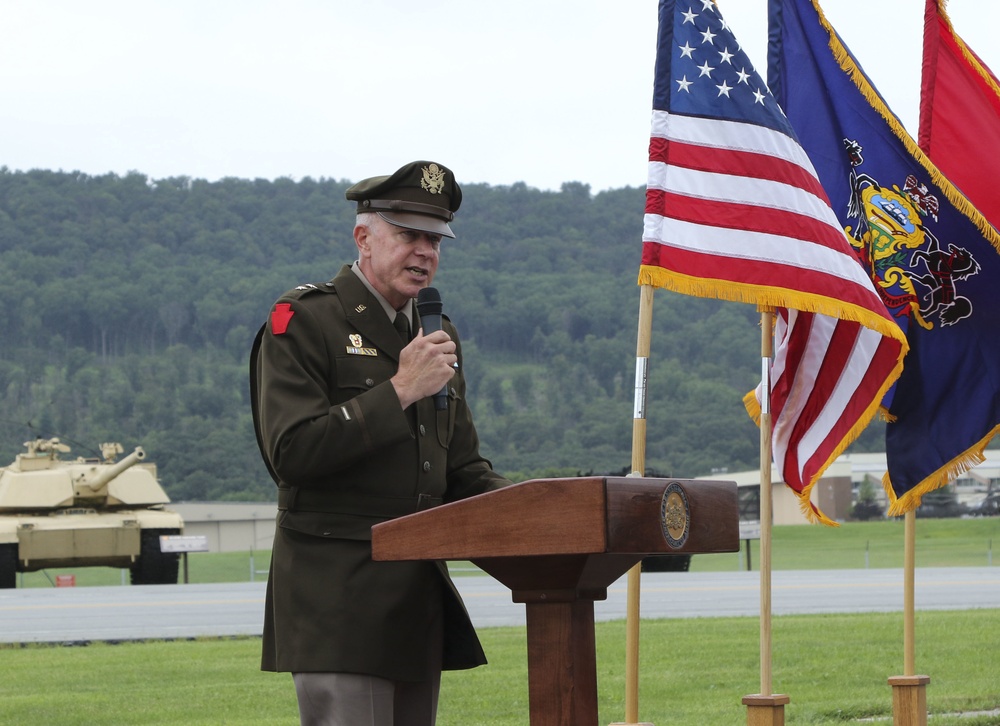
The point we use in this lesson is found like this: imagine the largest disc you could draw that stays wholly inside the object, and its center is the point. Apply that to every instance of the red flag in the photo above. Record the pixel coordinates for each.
(960, 113)
(734, 210)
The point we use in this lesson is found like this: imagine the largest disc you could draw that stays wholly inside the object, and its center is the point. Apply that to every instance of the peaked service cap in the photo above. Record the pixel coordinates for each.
(422, 195)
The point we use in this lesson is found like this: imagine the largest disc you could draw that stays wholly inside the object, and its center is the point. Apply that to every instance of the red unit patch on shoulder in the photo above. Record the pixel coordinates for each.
(280, 317)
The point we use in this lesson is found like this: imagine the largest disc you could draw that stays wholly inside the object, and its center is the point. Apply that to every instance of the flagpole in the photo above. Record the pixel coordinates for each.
(766, 354)
(765, 708)
(638, 469)
(909, 601)
(909, 691)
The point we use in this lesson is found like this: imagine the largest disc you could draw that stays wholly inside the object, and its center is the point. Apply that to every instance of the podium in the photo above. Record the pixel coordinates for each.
(558, 544)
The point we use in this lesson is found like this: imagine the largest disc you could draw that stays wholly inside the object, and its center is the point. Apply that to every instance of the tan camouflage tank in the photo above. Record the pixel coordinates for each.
(57, 513)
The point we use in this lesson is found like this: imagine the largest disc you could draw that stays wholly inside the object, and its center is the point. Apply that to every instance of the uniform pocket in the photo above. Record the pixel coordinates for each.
(361, 373)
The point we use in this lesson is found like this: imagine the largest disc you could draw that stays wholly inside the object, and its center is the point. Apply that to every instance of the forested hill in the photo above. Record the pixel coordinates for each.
(129, 306)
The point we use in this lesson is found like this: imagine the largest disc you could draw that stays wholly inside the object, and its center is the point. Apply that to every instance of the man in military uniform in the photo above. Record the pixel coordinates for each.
(343, 410)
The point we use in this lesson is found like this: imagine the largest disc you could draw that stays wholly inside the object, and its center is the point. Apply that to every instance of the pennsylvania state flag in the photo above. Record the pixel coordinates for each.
(934, 259)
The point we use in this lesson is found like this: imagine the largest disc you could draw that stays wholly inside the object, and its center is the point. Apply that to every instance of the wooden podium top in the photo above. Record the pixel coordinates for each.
(571, 516)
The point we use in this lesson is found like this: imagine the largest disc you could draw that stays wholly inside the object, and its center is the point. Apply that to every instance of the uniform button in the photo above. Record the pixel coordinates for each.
(423, 430)
(453, 392)
(427, 466)
(369, 382)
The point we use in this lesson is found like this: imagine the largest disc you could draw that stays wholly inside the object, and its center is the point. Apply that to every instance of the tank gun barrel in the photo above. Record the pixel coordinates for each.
(106, 475)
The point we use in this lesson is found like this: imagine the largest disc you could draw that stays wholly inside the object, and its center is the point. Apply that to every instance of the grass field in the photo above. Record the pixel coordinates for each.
(693, 671)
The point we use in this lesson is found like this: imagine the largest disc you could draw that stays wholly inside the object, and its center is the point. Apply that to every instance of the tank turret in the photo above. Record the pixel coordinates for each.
(84, 512)
(106, 474)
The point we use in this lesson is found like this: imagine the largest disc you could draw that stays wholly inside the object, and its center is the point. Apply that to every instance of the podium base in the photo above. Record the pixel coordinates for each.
(909, 700)
(765, 710)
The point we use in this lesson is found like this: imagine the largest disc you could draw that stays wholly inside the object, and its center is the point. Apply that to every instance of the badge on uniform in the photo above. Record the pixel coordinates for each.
(280, 317)
(355, 347)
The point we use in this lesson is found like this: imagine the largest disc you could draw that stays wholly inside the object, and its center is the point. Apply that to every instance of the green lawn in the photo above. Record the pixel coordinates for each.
(693, 673)
(940, 543)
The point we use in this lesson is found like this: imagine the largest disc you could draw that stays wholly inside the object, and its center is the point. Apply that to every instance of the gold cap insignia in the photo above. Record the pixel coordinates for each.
(355, 340)
(433, 179)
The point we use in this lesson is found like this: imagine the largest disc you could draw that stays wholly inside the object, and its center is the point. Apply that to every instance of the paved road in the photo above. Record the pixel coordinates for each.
(183, 611)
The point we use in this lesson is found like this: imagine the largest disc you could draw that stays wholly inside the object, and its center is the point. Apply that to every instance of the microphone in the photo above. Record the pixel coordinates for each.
(429, 308)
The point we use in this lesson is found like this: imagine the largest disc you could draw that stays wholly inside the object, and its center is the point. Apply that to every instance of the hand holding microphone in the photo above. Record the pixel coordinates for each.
(429, 307)
(428, 362)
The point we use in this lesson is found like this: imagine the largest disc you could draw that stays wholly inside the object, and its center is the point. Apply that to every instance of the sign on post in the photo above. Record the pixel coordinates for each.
(749, 529)
(183, 543)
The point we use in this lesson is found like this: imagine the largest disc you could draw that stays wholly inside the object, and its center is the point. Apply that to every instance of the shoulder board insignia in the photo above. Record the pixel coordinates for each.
(309, 288)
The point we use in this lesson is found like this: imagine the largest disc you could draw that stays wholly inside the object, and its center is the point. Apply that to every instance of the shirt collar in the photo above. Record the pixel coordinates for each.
(389, 310)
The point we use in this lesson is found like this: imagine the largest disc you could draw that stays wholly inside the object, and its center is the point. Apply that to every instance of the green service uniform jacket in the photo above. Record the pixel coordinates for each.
(346, 456)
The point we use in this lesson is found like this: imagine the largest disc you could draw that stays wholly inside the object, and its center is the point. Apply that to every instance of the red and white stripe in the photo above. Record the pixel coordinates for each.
(736, 211)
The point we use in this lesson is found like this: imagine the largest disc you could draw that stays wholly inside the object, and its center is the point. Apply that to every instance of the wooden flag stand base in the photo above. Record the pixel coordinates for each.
(765, 710)
(909, 700)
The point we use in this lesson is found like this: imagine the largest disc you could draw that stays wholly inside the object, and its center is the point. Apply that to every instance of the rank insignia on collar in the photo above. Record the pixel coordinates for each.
(361, 308)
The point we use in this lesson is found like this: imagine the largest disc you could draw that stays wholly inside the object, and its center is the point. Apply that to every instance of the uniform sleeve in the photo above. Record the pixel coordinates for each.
(312, 424)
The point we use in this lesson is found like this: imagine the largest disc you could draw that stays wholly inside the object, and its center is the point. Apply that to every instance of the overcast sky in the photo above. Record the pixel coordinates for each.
(537, 91)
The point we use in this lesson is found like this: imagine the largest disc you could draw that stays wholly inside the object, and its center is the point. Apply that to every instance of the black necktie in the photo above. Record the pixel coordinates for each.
(402, 326)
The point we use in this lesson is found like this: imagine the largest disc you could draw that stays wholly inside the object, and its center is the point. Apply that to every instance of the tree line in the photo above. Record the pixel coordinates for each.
(130, 305)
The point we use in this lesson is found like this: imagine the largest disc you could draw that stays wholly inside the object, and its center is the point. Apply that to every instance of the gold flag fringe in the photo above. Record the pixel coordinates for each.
(968, 459)
(770, 296)
(954, 196)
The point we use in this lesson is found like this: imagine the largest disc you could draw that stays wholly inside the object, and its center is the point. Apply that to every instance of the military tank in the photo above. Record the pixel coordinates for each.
(85, 512)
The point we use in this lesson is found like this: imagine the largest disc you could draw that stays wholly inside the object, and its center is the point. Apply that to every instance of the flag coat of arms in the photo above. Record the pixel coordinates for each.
(932, 256)
(735, 211)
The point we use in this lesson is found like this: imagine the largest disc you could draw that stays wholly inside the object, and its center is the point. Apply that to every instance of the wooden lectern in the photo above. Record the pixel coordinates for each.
(558, 544)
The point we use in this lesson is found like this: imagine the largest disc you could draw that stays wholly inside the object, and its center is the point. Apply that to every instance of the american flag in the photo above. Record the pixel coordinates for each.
(734, 210)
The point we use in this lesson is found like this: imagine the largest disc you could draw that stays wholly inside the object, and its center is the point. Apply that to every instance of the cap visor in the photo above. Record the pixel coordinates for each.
(419, 222)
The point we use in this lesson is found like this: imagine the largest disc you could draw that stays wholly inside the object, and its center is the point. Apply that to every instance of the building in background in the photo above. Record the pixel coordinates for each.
(230, 526)
(837, 491)
(249, 526)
